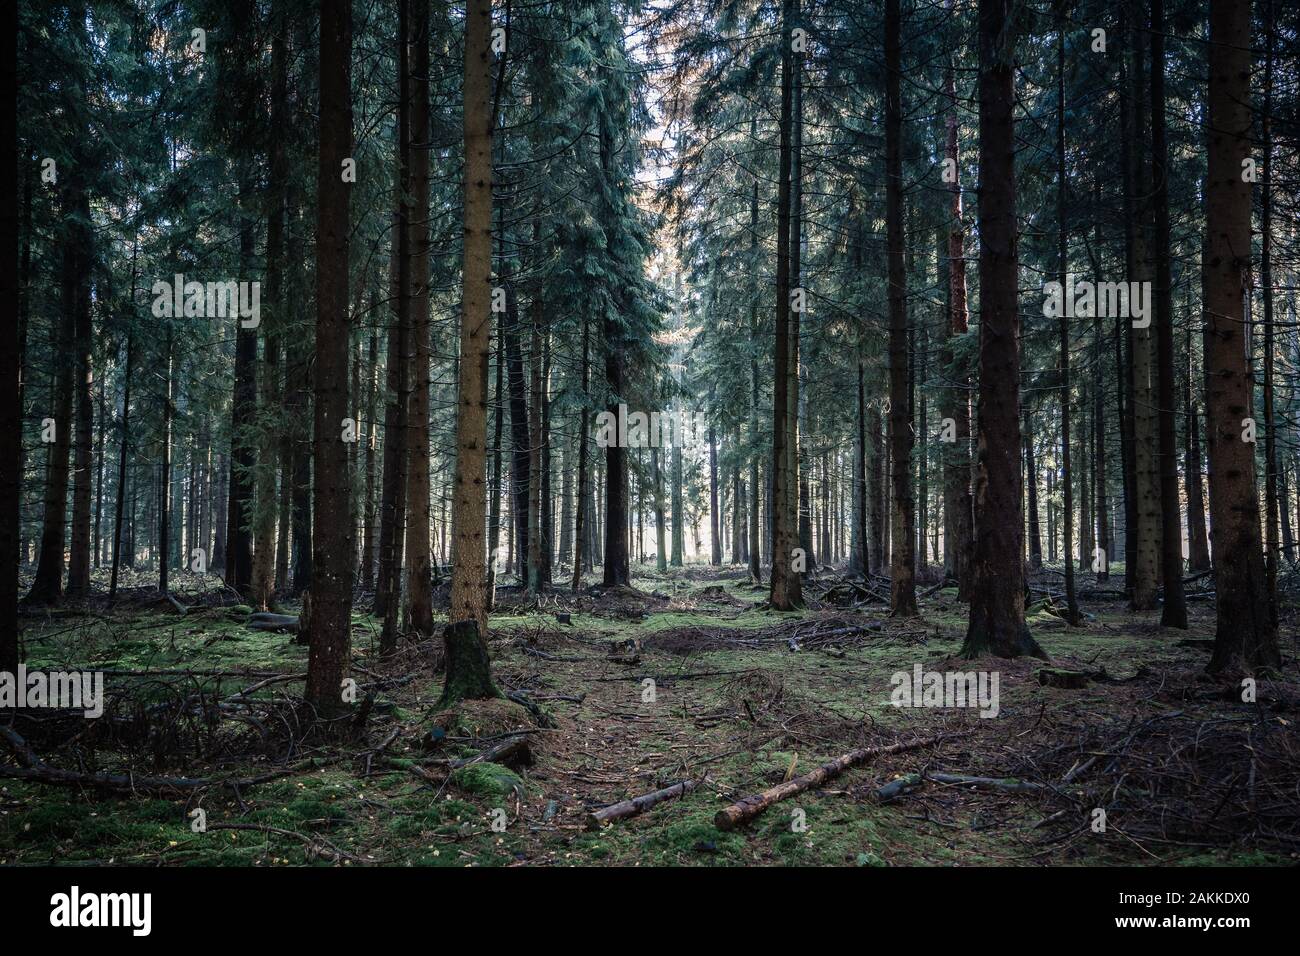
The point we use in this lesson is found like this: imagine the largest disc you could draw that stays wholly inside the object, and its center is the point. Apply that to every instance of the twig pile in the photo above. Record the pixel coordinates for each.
(1178, 779)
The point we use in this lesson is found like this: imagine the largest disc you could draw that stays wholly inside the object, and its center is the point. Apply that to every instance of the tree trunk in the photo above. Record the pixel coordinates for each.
(1063, 367)
(273, 327)
(419, 579)
(11, 411)
(124, 444)
(902, 565)
(1101, 503)
(47, 587)
(616, 570)
(661, 548)
(1147, 542)
(785, 592)
(1271, 544)
(1245, 638)
(679, 515)
(581, 553)
(1174, 612)
(997, 614)
(83, 346)
(519, 424)
(297, 399)
(164, 499)
(393, 508)
(535, 441)
(468, 671)
(333, 543)
(956, 462)
(1198, 546)
(243, 454)
(1031, 476)
(367, 575)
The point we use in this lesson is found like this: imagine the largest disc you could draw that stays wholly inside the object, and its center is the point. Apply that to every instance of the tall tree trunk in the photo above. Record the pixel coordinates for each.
(581, 553)
(956, 402)
(876, 481)
(11, 381)
(124, 444)
(997, 614)
(790, 459)
(1245, 638)
(164, 499)
(755, 515)
(96, 550)
(616, 570)
(1124, 356)
(273, 327)
(468, 670)
(393, 511)
(1147, 543)
(861, 550)
(74, 272)
(1031, 476)
(715, 529)
(785, 591)
(661, 549)
(1100, 499)
(1063, 366)
(83, 440)
(520, 460)
(923, 459)
(494, 482)
(1271, 545)
(535, 441)
(333, 545)
(367, 575)
(564, 552)
(547, 516)
(243, 455)
(1198, 545)
(902, 565)
(419, 580)
(1174, 612)
(738, 537)
(678, 506)
(297, 399)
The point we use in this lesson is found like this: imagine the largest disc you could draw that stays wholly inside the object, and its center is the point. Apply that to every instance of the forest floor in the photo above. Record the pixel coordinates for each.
(743, 697)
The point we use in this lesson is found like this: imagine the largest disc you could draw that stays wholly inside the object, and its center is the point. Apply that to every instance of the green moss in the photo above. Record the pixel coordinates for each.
(488, 779)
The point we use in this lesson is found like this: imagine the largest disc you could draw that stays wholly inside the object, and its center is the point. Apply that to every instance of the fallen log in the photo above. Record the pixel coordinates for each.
(731, 817)
(637, 805)
(898, 787)
(513, 749)
(935, 589)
